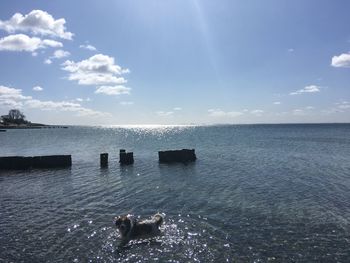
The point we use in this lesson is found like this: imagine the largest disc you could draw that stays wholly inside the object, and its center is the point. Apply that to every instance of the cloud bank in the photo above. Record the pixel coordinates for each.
(37, 22)
(164, 113)
(221, 113)
(11, 97)
(21, 42)
(113, 90)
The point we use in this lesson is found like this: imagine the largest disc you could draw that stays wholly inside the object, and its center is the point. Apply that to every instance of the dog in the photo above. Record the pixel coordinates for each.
(131, 228)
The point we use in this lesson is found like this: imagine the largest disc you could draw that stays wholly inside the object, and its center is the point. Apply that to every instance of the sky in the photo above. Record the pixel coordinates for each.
(113, 62)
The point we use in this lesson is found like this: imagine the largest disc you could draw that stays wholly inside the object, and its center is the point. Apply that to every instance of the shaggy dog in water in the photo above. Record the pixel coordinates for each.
(131, 228)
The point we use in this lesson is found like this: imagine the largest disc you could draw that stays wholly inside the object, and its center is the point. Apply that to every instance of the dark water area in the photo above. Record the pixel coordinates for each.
(257, 193)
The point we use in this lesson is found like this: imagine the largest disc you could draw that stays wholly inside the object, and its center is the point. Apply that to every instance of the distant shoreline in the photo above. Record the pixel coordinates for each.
(45, 126)
(31, 126)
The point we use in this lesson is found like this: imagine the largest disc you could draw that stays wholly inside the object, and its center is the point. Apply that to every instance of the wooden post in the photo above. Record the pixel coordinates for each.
(126, 158)
(104, 159)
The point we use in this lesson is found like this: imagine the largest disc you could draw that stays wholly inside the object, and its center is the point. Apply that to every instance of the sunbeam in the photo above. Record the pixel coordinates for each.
(207, 38)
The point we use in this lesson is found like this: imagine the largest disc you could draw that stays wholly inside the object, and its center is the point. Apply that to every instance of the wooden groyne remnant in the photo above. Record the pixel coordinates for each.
(23, 163)
(63, 161)
(126, 157)
(104, 160)
(181, 156)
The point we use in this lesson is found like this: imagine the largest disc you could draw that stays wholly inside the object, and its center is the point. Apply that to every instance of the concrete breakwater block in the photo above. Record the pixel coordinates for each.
(126, 157)
(23, 163)
(182, 156)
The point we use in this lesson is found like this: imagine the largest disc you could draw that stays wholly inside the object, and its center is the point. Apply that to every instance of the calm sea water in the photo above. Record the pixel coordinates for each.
(257, 193)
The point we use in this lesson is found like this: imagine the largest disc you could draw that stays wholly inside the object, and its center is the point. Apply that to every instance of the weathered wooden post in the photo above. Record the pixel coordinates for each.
(51, 161)
(130, 158)
(104, 160)
(126, 158)
(37, 162)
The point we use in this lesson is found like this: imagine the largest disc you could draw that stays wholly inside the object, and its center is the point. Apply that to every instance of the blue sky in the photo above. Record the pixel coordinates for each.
(175, 62)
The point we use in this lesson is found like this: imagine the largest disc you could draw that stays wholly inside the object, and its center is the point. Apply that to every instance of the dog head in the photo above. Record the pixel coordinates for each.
(124, 224)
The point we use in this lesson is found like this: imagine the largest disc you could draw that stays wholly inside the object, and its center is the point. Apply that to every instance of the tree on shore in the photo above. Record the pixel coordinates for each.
(14, 117)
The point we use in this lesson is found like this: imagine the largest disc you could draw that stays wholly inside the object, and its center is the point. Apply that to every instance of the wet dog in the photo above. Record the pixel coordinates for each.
(132, 228)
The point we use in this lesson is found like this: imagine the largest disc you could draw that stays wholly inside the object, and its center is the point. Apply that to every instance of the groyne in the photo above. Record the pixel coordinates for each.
(63, 161)
(181, 156)
(23, 163)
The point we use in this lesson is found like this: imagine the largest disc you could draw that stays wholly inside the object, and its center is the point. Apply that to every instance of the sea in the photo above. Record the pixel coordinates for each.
(256, 193)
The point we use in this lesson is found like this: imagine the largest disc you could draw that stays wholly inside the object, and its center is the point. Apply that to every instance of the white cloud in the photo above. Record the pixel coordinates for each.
(298, 112)
(6, 91)
(96, 79)
(51, 105)
(277, 103)
(51, 43)
(303, 111)
(164, 113)
(125, 103)
(341, 61)
(291, 50)
(38, 88)
(11, 97)
(12, 93)
(82, 100)
(340, 107)
(257, 112)
(59, 53)
(48, 61)
(84, 112)
(307, 89)
(10, 103)
(177, 108)
(21, 42)
(113, 90)
(88, 47)
(64, 106)
(37, 22)
(343, 105)
(96, 70)
(221, 113)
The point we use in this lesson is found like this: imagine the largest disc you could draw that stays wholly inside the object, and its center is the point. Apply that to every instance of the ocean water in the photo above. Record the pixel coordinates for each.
(257, 193)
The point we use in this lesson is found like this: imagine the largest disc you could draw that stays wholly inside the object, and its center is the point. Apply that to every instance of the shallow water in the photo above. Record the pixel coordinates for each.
(257, 193)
